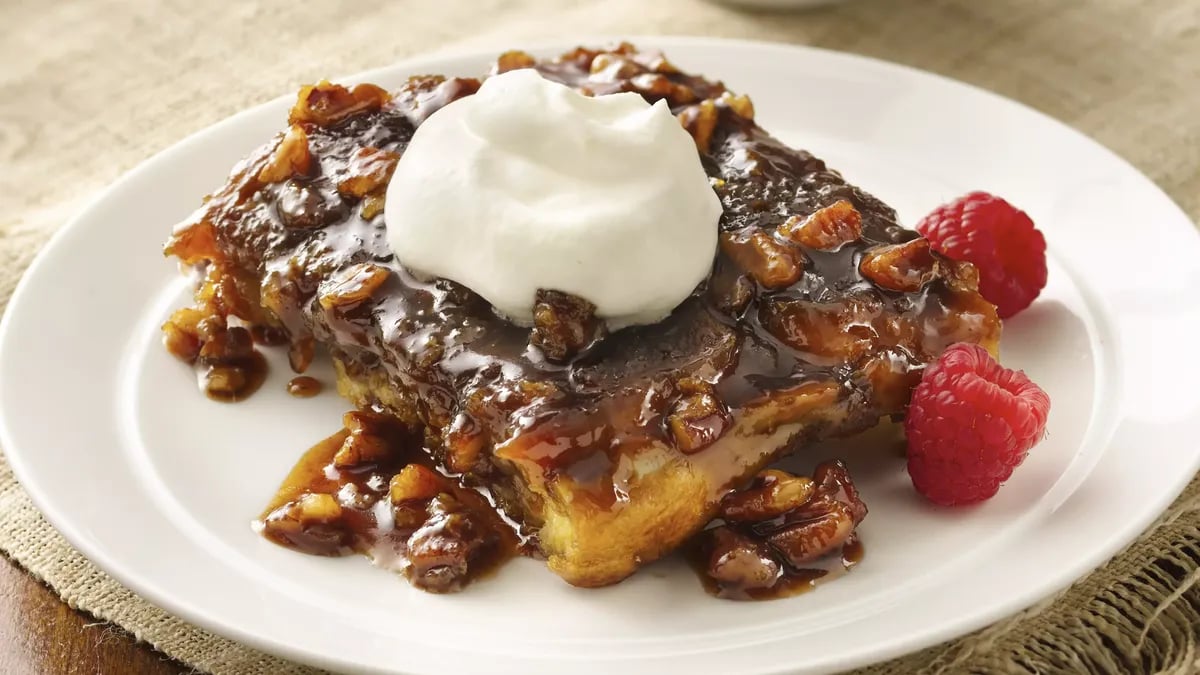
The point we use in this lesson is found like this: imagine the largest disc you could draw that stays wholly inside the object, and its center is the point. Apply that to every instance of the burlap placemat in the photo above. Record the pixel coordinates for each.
(89, 88)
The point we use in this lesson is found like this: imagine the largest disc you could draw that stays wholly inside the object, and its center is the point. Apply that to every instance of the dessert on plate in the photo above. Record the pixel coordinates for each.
(579, 306)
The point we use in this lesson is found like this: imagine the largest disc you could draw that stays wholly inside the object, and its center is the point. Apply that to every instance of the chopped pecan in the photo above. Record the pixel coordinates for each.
(291, 157)
(731, 293)
(779, 523)
(612, 67)
(697, 419)
(181, 334)
(361, 447)
(414, 483)
(827, 228)
(224, 380)
(773, 264)
(351, 285)
(513, 60)
(326, 104)
(900, 267)
(772, 494)
(441, 551)
(311, 523)
(655, 86)
(700, 120)
(843, 330)
(739, 563)
(740, 104)
(373, 205)
(563, 324)
(369, 170)
(464, 441)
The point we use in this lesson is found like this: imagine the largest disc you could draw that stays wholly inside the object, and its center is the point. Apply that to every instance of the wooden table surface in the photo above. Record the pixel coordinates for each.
(41, 635)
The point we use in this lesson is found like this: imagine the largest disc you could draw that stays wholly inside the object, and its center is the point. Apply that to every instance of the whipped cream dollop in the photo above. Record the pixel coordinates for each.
(530, 185)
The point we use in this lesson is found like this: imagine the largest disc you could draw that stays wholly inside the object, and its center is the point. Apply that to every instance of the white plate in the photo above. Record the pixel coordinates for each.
(157, 485)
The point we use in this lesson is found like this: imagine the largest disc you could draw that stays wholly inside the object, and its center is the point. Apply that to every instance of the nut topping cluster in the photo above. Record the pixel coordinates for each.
(777, 525)
(563, 325)
(369, 498)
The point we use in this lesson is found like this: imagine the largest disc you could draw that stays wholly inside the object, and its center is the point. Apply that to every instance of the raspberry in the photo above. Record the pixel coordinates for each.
(970, 423)
(999, 239)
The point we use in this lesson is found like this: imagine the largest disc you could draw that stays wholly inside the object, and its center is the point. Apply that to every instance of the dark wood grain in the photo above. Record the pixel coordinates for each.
(40, 634)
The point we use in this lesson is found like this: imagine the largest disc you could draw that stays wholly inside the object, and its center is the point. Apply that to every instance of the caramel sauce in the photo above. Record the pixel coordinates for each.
(365, 522)
(304, 386)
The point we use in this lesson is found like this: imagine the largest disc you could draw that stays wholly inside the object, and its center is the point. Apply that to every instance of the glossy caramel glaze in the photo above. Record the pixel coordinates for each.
(359, 515)
(296, 241)
(303, 386)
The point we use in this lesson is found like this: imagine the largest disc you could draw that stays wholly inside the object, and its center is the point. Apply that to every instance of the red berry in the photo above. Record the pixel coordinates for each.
(999, 239)
(970, 423)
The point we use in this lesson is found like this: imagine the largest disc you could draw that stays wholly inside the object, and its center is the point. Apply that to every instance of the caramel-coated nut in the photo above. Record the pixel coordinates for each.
(772, 494)
(352, 285)
(900, 267)
(361, 448)
(825, 229)
(738, 563)
(326, 104)
(697, 420)
(513, 60)
(368, 171)
(563, 324)
(771, 263)
(740, 104)
(291, 157)
(813, 538)
(700, 120)
(315, 507)
(414, 483)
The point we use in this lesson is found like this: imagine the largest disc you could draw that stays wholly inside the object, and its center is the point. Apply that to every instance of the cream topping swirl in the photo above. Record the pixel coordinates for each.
(530, 185)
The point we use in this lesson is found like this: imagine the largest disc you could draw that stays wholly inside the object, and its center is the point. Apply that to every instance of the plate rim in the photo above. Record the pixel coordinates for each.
(483, 50)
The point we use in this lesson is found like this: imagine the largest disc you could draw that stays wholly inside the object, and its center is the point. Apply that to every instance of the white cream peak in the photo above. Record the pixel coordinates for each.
(529, 185)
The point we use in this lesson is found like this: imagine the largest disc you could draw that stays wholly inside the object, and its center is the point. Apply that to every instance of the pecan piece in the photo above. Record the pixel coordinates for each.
(414, 483)
(771, 263)
(181, 334)
(739, 563)
(772, 494)
(369, 170)
(827, 228)
(441, 551)
(740, 104)
(291, 157)
(464, 441)
(361, 448)
(731, 292)
(700, 120)
(350, 286)
(563, 324)
(326, 104)
(843, 330)
(697, 419)
(513, 60)
(777, 524)
(812, 538)
(900, 267)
